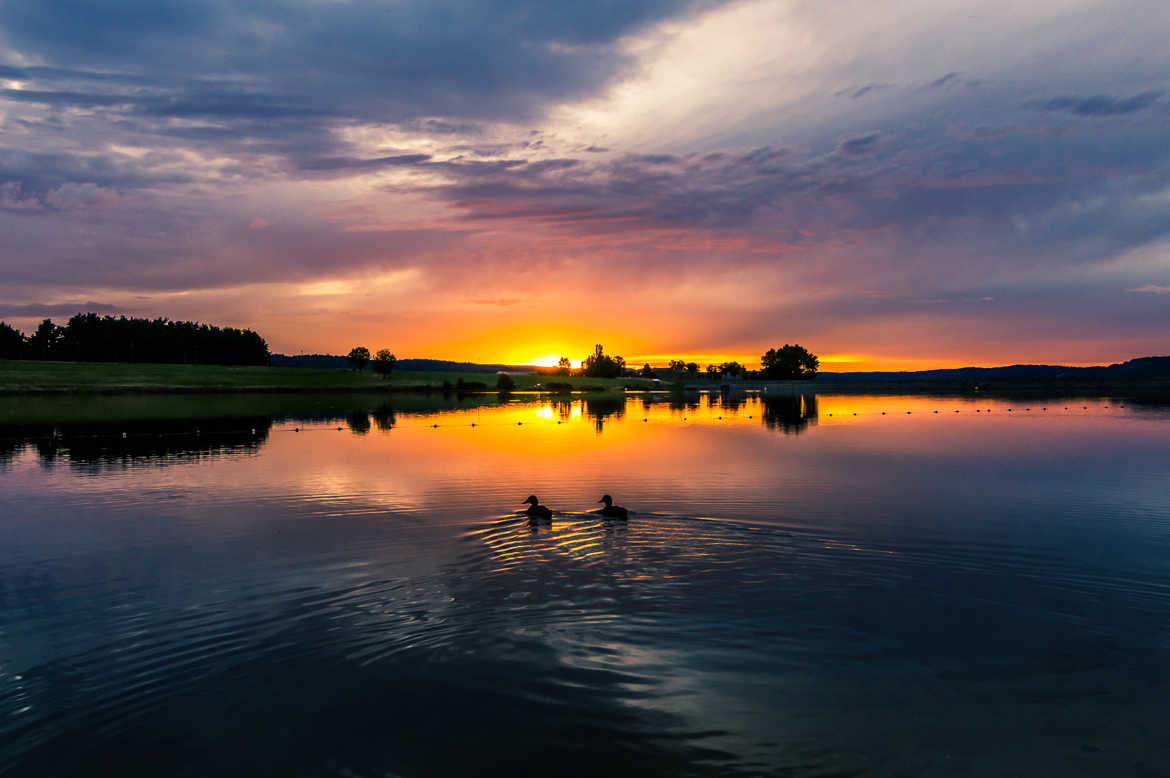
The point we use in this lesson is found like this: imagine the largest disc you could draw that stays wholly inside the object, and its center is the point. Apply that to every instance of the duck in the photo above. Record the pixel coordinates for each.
(536, 510)
(612, 511)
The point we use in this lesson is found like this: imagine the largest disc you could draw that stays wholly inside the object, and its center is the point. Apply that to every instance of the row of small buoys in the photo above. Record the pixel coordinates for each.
(58, 435)
(687, 418)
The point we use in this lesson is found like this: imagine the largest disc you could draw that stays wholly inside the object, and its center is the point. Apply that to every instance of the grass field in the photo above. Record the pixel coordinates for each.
(52, 377)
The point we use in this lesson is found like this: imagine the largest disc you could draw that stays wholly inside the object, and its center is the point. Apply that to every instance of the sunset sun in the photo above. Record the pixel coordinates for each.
(552, 360)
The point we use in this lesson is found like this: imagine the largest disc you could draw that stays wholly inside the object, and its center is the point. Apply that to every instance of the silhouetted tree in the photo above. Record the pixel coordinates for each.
(731, 368)
(712, 371)
(45, 343)
(678, 366)
(789, 362)
(11, 342)
(358, 357)
(600, 365)
(647, 371)
(88, 337)
(384, 362)
(564, 366)
(693, 369)
(504, 383)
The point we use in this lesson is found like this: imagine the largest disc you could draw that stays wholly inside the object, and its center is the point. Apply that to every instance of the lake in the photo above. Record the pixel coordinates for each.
(806, 586)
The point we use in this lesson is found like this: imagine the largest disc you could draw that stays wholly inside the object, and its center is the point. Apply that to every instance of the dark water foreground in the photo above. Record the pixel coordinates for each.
(807, 587)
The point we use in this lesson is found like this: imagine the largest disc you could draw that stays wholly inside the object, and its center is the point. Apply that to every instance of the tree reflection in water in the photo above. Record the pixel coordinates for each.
(99, 446)
(383, 417)
(791, 415)
(358, 422)
(683, 401)
(602, 407)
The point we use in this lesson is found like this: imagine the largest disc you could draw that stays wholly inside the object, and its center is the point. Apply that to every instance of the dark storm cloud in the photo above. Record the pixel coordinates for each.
(1100, 105)
(369, 59)
(276, 78)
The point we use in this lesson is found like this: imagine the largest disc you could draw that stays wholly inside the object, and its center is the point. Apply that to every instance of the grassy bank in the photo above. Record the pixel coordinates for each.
(28, 377)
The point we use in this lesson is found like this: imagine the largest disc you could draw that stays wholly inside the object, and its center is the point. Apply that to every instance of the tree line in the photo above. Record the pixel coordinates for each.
(88, 337)
(787, 363)
(383, 362)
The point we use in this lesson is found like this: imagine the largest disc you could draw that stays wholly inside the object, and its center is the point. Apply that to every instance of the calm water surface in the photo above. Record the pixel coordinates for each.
(806, 587)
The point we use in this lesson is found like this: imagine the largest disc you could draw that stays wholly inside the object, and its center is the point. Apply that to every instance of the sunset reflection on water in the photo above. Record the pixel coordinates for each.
(812, 583)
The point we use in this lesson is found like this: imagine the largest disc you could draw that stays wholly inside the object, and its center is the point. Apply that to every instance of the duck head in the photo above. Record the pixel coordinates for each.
(607, 500)
(531, 500)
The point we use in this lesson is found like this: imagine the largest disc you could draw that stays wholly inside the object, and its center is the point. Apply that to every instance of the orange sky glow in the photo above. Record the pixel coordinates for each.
(893, 191)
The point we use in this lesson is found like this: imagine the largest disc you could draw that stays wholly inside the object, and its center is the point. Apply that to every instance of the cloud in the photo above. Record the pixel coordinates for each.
(352, 164)
(1151, 289)
(863, 144)
(303, 59)
(69, 196)
(53, 310)
(12, 198)
(1100, 105)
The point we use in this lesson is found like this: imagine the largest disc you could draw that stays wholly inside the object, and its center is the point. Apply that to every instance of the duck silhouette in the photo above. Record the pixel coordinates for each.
(612, 511)
(536, 510)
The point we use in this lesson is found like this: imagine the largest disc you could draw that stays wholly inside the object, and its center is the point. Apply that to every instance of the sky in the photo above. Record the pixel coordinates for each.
(901, 185)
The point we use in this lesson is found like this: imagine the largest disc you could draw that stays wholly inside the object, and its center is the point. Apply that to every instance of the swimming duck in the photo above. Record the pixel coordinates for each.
(536, 510)
(611, 510)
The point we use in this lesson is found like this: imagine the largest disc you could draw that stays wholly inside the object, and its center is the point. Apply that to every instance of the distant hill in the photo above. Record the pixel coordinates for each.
(1143, 367)
(331, 361)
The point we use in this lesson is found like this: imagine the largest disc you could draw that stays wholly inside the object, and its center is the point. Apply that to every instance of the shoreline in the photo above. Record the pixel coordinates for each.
(58, 379)
(37, 378)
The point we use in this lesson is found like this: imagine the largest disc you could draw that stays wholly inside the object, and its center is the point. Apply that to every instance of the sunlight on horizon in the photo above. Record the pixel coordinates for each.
(552, 360)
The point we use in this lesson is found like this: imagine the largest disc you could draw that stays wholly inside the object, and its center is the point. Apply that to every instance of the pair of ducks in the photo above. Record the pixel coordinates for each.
(538, 511)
